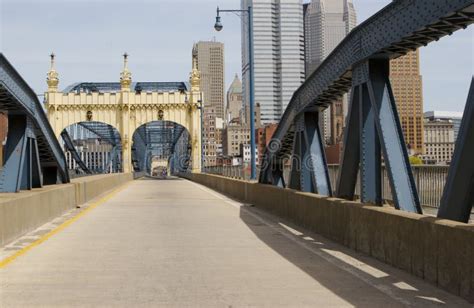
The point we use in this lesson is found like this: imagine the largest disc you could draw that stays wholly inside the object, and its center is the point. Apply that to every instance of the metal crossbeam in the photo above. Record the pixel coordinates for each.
(33, 137)
(72, 149)
(398, 23)
(159, 138)
(373, 127)
(103, 131)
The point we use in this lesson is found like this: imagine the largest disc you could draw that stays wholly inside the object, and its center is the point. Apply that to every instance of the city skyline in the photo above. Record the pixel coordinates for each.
(278, 55)
(159, 51)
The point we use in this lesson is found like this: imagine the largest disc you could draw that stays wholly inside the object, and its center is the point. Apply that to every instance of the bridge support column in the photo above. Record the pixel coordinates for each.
(309, 172)
(458, 196)
(21, 169)
(379, 129)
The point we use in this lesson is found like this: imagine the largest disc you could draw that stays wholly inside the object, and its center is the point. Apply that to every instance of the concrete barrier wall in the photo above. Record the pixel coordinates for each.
(25, 211)
(436, 250)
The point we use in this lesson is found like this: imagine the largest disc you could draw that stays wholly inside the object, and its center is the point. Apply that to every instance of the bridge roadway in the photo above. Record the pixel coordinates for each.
(175, 243)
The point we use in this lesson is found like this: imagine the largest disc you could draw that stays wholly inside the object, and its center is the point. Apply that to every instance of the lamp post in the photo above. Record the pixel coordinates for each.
(218, 26)
(201, 107)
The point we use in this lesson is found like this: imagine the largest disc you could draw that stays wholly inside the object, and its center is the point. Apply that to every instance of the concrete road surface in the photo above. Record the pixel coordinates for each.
(173, 243)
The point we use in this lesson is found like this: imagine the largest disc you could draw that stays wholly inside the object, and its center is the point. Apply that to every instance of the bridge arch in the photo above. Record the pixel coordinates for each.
(97, 146)
(167, 141)
(127, 105)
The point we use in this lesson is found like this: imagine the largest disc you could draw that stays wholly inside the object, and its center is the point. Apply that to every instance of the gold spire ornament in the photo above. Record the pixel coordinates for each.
(52, 77)
(125, 75)
(195, 76)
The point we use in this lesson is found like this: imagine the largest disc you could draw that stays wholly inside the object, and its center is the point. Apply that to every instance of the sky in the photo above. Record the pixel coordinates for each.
(90, 36)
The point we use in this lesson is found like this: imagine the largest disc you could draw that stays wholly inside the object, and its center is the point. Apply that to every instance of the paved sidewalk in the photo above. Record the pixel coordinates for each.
(173, 243)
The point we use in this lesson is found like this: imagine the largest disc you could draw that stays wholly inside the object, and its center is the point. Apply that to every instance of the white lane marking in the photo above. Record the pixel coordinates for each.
(351, 269)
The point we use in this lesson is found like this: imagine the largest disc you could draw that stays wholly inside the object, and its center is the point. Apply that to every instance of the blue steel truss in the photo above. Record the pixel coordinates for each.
(33, 155)
(72, 149)
(105, 133)
(360, 63)
(458, 196)
(156, 139)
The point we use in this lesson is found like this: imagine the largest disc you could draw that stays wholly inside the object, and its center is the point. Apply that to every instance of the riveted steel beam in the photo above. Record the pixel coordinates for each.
(347, 177)
(458, 195)
(21, 169)
(390, 134)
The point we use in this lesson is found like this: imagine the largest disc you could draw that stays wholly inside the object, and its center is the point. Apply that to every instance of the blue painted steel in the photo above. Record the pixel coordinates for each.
(401, 26)
(295, 172)
(111, 87)
(253, 158)
(36, 173)
(402, 183)
(458, 195)
(162, 139)
(314, 162)
(20, 170)
(18, 99)
(309, 171)
(370, 169)
(72, 149)
(347, 178)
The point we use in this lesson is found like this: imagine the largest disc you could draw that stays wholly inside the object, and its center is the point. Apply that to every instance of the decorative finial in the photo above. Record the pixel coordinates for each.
(52, 77)
(52, 55)
(125, 60)
(125, 76)
(195, 76)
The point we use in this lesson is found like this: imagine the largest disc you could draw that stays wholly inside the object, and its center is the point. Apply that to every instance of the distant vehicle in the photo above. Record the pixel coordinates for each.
(160, 172)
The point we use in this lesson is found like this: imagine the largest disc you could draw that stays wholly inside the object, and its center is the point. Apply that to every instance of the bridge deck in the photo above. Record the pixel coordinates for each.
(174, 243)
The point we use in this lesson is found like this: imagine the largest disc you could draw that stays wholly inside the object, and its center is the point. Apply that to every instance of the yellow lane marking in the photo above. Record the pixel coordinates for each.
(8, 260)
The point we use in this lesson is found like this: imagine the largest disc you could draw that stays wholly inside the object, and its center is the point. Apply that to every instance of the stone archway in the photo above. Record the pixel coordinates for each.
(163, 141)
(126, 105)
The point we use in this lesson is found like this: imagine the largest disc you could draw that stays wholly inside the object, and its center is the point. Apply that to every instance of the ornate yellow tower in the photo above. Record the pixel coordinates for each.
(126, 108)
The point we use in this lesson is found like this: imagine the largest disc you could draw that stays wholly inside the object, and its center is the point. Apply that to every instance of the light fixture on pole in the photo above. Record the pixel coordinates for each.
(218, 26)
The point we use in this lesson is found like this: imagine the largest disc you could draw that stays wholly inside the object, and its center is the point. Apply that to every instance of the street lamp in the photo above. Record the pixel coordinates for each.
(218, 26)
(201, 108)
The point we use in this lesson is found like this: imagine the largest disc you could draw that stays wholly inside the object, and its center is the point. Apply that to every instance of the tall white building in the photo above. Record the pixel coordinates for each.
(278, 54)
(326, 23)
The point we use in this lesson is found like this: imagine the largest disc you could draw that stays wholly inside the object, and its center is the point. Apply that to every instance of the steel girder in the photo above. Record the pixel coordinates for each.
(401, 26)
(458, 195)
(72, 149)
(22, 164)
(159, 138)
(379, 132)
(39, 146)
(104, 131)
(309, 172)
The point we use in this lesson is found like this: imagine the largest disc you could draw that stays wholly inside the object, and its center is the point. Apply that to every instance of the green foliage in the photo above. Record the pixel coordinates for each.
(415, 160)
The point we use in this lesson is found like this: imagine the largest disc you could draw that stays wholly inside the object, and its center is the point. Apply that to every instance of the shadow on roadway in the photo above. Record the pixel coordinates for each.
(335, 266)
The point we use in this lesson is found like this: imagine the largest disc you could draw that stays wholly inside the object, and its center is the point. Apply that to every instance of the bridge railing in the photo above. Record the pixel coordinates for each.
(429, 180)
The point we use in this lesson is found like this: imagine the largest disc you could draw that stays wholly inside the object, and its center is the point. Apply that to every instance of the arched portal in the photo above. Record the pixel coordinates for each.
(161, 145)
(92, 147)
(127, 105)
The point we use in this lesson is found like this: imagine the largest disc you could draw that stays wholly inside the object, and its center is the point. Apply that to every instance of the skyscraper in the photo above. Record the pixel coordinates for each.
(210, 63)
(209, 57)
(408, 91)
(326, 23)
(278, 54)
